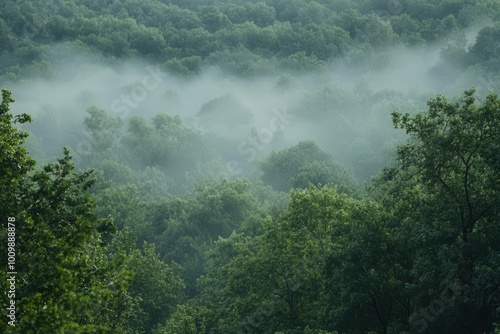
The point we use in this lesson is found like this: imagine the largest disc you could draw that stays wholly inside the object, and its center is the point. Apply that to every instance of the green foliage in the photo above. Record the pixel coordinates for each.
(14, 160)
(225, 110)
(156, 289)
(186, 228)
(66, 281)
(304, 271)
(167, 145)
(186, 66)
(302, 165)
(259, 13)
(446, 190)
(454, 154)
(487, 46)
(187, 320)
(73, 276)
(185, 35)
(103, 128)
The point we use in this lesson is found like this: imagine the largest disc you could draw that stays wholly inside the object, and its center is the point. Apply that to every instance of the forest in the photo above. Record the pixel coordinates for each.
(250, 166)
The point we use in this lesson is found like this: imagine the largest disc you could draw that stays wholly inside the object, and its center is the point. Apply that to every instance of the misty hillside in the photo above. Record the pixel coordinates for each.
(275, 167)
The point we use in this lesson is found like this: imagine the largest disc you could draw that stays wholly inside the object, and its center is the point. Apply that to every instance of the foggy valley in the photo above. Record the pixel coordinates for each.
(345, 109)
(281, 167)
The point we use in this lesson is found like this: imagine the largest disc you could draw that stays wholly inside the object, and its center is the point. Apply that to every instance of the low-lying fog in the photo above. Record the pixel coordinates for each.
(346, 110)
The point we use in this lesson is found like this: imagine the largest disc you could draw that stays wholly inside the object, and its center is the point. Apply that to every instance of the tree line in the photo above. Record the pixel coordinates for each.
(244, 38)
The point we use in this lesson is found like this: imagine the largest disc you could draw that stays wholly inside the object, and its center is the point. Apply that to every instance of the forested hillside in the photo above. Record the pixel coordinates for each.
(244, 37)
(274, 167)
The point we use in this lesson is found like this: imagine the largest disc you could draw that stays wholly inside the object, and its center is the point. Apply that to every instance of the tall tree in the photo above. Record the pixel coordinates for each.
(65, 280)
(301, 165)
(448, 185)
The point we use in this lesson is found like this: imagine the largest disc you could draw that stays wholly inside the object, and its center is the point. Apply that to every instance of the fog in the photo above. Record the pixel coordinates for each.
(346, 110)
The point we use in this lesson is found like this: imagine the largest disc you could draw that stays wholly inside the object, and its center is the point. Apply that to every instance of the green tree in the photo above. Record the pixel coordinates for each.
(167, 145)
(213, 19)
(65, 278)
(259, 13)
(325, 262)
(156, 289)
(188, 319)
(186, 228)
(103, 128)
(448, 176)
(301, 165)
(487, 47)
(188, 66)
(14, 160)
(226, 110)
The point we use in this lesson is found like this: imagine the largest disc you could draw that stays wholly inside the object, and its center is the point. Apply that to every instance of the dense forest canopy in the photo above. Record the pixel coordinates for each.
(275, 167)
(246, 38)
